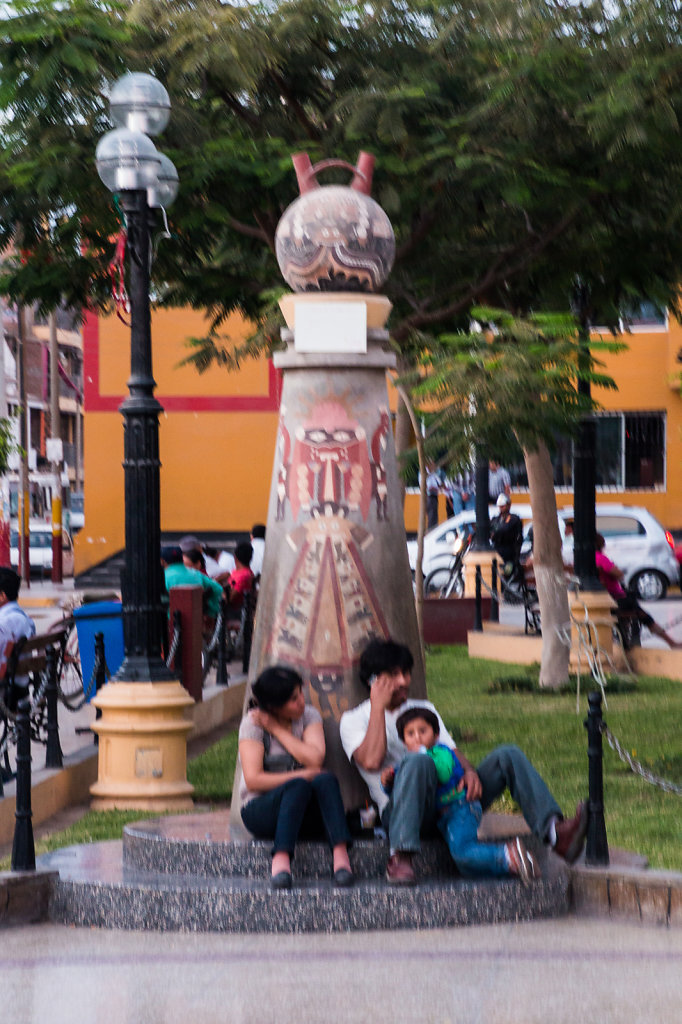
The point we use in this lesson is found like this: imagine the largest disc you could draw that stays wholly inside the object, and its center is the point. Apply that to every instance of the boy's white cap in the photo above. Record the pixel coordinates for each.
(503, 499)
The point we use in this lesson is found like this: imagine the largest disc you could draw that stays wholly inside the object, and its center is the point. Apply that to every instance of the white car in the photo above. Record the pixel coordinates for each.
(635, 541)
(40, 548)
(638, 544)
(439, 542)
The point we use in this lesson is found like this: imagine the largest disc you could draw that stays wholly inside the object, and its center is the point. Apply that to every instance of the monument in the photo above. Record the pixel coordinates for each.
(335, 570)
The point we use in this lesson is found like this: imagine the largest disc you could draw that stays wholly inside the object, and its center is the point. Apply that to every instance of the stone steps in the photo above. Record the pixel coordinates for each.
(189, 874)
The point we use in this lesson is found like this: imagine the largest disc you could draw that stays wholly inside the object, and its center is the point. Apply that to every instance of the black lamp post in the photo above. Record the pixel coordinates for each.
(584, 464)
(482, 538)
(129, 164)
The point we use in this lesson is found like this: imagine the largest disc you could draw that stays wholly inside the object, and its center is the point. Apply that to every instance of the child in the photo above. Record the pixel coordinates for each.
(458, 819)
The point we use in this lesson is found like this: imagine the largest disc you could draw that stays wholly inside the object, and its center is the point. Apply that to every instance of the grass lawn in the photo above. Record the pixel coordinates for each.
(485, 703)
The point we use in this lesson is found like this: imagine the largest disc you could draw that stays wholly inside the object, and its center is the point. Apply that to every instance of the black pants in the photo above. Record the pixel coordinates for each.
(313, 809)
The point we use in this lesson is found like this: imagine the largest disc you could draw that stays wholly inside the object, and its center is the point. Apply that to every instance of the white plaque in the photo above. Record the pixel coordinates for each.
(330, 327)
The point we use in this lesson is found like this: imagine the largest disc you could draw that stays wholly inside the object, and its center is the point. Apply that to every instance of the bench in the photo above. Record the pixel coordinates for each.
(30, 658)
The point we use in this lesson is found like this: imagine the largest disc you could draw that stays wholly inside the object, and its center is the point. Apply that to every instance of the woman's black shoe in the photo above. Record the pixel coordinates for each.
(343, 878)
(282, 880)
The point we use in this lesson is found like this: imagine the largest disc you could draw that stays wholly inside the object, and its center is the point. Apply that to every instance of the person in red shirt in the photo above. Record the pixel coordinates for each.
(240, 580)
(611, 577)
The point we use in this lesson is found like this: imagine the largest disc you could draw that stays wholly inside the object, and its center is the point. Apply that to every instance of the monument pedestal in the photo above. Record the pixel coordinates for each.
(142, 747)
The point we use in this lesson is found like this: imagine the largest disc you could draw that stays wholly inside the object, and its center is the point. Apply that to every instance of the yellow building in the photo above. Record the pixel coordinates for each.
(217, 432)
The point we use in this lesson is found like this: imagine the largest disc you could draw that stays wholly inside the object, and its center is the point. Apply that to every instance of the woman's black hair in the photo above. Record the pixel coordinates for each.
(274, 687)
(384, 656)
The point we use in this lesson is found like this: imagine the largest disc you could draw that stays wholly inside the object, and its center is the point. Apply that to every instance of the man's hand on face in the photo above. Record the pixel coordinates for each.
(382, 691)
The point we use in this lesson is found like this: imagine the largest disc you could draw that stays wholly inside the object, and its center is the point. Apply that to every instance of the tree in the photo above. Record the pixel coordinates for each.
(518, 147)
(516, 383)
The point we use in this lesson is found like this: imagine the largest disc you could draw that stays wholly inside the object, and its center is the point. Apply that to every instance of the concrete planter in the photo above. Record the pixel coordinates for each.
(447, 620)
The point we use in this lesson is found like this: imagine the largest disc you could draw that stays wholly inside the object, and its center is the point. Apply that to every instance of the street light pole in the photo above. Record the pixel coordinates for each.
(141, 579)
(143, 728)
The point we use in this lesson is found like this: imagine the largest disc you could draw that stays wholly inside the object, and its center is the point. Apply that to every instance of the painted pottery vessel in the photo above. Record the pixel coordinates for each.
(335, 237)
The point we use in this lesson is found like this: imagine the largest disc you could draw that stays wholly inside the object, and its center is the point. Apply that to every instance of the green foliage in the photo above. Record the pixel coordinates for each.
(512, 380)
(517, 146)
(7, 443)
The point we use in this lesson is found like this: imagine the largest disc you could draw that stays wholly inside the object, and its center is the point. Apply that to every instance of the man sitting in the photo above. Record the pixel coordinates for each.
(370, 739)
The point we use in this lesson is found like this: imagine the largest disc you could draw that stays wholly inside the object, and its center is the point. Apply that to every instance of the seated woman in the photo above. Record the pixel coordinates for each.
(285, 793)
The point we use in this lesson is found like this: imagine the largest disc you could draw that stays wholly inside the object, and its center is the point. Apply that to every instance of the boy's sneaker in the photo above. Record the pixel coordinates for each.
(399, 870)
(521, 862)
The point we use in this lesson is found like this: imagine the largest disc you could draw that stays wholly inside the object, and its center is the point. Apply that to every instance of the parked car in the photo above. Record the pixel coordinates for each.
(635, 541)
(440, 541)
(638, 544)
(40, 548)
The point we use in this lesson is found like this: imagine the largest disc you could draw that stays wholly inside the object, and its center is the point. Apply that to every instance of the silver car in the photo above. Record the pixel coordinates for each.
(638, 544)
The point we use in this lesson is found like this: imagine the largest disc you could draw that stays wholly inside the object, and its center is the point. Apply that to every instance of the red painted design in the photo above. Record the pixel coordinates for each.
(330, 470)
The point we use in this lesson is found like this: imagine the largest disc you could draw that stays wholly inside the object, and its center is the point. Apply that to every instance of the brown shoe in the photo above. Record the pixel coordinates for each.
(570, 835)
(399, 870)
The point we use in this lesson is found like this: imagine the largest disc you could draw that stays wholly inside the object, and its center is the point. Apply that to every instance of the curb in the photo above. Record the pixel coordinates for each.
(627, 892)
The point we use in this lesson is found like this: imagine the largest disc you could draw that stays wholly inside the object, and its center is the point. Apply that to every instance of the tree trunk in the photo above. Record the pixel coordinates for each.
(549, 570)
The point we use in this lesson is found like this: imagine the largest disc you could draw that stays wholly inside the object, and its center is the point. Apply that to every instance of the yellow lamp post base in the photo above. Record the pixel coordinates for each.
(472, 559)
(592, 624)
(142, 747)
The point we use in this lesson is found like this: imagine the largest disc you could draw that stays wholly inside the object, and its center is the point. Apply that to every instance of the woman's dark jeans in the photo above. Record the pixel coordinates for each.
(308, 808)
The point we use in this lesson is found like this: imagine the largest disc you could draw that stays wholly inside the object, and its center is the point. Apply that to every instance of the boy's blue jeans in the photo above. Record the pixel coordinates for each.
(412, 807)
(459, 824)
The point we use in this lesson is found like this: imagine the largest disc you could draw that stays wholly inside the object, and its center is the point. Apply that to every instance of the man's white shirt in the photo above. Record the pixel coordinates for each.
(14, 624)
(353, 729)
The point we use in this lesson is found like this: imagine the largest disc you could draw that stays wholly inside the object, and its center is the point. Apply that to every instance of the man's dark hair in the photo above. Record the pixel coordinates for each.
(258, 530)
(599, 541)
(384, 656)
(243, 553)
(411, 714)
(171, 554)
(9, 583)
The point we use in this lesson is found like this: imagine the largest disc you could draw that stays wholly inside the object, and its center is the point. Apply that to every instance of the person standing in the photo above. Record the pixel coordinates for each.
(499, 481)
(15, 624)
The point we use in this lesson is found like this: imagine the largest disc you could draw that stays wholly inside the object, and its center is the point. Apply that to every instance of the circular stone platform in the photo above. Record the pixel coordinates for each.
(191, 873)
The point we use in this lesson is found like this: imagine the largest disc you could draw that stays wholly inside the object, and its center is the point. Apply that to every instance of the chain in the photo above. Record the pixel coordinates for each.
(175, 643)
(636, 766)
(216, 632)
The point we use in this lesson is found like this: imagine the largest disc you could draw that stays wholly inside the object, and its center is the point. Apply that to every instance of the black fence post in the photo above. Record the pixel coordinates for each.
(100, 673)
(596, 847)
(53, 748)
(494, 603)
(478, 614)
(221, 675)
(23, 849)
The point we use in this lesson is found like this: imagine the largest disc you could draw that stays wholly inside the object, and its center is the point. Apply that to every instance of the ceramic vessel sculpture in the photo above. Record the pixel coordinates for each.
(335, 237)
(335, 571)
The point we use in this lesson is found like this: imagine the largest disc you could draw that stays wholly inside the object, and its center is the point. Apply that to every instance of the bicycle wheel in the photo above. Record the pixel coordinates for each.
(70, 675)
(436, 582)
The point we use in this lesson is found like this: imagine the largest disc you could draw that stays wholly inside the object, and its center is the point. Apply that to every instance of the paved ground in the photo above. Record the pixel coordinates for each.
(559, 971)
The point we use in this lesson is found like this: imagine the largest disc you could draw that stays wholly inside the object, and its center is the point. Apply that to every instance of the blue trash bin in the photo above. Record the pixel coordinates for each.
(100, 617)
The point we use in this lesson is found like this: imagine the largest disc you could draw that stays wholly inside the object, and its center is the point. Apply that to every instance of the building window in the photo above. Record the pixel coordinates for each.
(630, 454)
(643, 314)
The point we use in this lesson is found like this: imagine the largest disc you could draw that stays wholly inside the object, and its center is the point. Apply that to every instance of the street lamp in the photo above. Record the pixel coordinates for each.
(129, 164)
